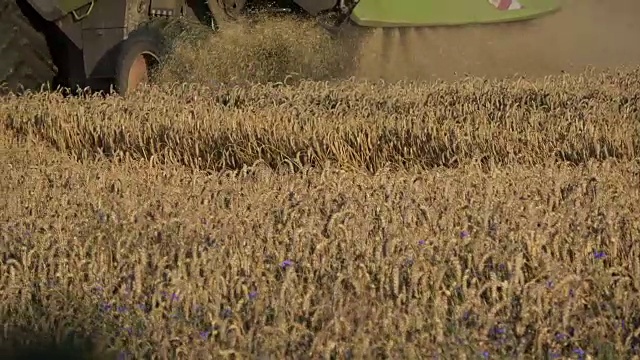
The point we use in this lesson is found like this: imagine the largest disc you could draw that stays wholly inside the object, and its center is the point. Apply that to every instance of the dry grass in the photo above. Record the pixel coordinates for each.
(420, 219)
(396, 265)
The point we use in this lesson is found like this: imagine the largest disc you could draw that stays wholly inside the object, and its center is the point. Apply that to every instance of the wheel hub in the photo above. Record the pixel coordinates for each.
(139, 73)
(140, 70)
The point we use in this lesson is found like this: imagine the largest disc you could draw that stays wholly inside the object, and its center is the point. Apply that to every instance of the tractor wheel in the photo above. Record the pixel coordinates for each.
(26, 61)
(140, 55)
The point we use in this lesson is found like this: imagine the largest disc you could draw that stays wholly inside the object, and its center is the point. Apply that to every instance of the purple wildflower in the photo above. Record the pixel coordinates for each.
(579, 352)
(485, 354)
(121, 309)
(599, 255)
(550, 284)
(497, 330)
(97, 289)
(253, 295)
(466, 315)
(422, 242)
(464, 234)
(105, 307)
(561, 337)
(102, 217)
(210, 242)
(204, 335)
(348, 354)
(285, 264)
(175, 297)
(226, 313)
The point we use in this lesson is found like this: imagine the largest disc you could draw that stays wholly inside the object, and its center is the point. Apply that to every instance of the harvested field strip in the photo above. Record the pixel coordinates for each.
(349, 124)
(534, 260)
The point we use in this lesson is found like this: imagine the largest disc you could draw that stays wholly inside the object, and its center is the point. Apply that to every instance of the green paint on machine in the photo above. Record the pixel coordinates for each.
(415, 13)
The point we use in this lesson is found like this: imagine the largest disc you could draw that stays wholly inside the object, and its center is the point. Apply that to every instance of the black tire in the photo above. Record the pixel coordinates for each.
(26, 60)
(145, 44)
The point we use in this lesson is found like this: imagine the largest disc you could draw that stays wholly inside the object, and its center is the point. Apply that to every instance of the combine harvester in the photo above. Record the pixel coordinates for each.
(104, 43)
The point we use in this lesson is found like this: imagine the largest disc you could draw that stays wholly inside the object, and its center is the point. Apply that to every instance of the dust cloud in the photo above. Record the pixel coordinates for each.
(600, 34)
(583, 34)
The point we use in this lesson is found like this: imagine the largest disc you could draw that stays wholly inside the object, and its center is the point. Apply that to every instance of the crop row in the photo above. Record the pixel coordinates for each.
(353, 124)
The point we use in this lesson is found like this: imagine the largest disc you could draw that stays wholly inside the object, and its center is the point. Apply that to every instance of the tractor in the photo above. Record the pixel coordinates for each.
(104, 44)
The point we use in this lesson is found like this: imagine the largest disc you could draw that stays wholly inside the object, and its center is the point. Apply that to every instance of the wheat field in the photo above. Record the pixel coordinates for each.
(294, 214)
